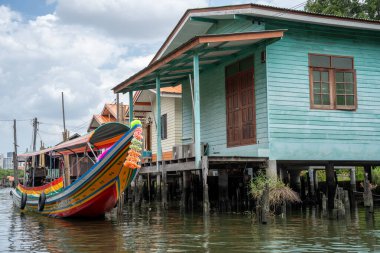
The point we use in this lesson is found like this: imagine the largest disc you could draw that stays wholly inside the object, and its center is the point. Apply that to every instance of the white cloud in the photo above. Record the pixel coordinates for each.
(42, 57)
(84, 48)
(8, 18)
(143, 19)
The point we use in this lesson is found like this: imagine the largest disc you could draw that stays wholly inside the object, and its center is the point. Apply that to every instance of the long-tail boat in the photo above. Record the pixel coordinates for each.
(98, 189)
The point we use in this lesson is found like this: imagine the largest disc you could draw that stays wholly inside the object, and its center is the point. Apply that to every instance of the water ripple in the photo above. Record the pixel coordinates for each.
(141, 230)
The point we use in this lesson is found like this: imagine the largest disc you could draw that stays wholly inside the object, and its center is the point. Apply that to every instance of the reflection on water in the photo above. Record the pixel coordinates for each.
(145, 231)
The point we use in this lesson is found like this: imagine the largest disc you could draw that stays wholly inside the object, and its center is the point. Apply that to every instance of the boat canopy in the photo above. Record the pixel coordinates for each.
(102, 137)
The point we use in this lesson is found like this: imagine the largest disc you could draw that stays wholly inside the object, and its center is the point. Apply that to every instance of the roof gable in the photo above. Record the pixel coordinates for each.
(189, 27)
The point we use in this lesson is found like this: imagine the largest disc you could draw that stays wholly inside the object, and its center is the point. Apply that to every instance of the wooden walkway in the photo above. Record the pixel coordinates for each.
(185, 164)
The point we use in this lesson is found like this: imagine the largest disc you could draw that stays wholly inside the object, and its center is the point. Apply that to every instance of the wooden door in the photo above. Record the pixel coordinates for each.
(241, 109)
(233, 112)
(148, 137)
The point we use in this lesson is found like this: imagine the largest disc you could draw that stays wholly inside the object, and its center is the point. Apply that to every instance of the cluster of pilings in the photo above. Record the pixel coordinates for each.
(334, 197)
(223, 184)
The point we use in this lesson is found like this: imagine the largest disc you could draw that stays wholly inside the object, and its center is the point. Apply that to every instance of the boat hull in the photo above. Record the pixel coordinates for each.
(93, 194)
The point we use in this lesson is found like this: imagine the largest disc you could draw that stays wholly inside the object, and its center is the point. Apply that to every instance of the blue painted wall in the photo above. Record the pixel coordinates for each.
(287, 129)
(297, 132)
(213, 100)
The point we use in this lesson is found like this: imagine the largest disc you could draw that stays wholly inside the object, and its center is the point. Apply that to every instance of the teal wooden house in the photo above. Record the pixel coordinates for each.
(265, 85)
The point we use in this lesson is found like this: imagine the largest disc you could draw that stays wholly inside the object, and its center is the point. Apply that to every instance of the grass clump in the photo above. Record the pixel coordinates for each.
(279, 193)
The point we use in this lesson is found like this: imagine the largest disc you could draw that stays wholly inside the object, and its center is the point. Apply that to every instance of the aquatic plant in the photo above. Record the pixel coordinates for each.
(279, 193)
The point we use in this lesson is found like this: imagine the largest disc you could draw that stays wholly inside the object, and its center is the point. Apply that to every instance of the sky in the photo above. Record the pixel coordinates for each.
(82, 48)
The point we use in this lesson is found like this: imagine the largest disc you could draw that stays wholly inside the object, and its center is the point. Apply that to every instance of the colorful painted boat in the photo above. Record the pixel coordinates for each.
(96, 191)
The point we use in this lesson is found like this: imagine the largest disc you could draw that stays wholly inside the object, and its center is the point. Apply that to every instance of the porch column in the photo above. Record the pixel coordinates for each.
(197, 113)
(158, 120)
(130, 107)
(159, 148)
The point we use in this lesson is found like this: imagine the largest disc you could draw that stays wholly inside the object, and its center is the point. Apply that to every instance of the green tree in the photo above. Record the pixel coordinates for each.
(372, 8)
(346, 8)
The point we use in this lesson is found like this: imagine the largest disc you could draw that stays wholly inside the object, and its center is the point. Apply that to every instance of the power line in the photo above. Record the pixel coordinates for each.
(283, 12)
(3, 120)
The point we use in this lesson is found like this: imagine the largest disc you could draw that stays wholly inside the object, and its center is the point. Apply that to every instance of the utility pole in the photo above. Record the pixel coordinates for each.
(35, 126)
(66, 158)
(117, 108)
(15, 161)
(64, 121)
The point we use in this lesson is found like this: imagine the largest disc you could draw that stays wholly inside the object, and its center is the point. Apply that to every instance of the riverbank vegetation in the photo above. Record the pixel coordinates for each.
(4, 173)
(344, 175)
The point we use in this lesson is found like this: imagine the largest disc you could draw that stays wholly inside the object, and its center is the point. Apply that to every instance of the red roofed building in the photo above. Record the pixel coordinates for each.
(108, 114)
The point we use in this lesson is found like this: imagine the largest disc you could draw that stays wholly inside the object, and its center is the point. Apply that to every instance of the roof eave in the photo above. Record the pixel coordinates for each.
(203, 39)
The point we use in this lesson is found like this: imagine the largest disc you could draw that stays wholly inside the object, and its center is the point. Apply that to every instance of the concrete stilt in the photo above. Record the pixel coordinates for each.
(331, 185)
(367, 196)
(185, 189)
(316, 186)
(311, 183)
(303, 188)
(283, 175)
(158, 187)
(353, 179)
(295, 180)
(223, 190)
(136, 190)
(368, 170)
(164, 186)
(271, 169)
(206, 203)
(315, 177)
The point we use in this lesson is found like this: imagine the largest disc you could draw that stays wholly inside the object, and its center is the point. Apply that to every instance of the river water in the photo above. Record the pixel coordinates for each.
(144, 230)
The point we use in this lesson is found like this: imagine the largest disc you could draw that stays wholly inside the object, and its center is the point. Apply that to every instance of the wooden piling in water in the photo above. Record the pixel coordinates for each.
(223, 190)
(136, 191)
(324, 203)
(206, 202)
(303, 188)
(265, 205)
(331, 184)
(339, 206)
(158, 186)
(311, 185)
(185, 195)
(164, 187)
(367, 196)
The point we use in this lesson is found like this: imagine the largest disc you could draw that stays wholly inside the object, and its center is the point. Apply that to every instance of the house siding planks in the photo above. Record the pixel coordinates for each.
(172, 107)
(235, 26)
(178, 121)
(297, 132)
(213, 110)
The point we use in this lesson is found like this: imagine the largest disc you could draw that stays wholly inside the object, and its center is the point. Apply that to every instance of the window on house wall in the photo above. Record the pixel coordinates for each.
(164, 127)
(332, 82)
